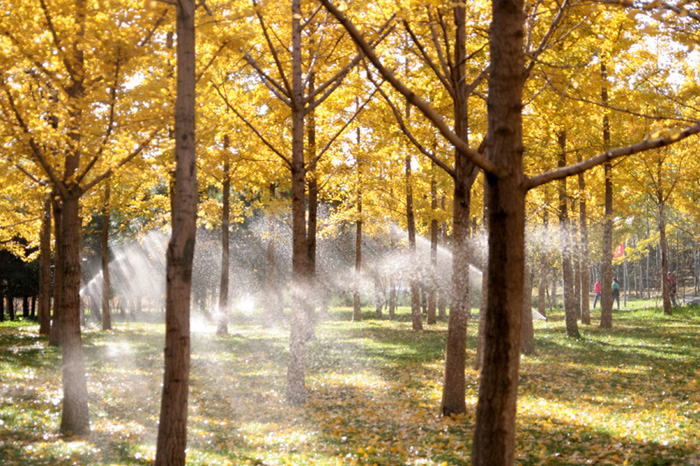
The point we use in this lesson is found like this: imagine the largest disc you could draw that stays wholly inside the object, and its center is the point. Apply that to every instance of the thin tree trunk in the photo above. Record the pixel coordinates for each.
(45, 270)
(570, 314)
(55, 333)
(273, 301)
(312, 226)
(222, 321)
(528, 329)
(104, 256)
(296, 367)
(584, 265)
(460, 309)
(664, 285)
(416, 319)
(481, 335)
(172, 428)
(606, 295)
(544, 253)
(356, 308)
(432, 280)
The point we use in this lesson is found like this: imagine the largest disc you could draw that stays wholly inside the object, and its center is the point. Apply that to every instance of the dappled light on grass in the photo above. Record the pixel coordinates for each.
(624, 395)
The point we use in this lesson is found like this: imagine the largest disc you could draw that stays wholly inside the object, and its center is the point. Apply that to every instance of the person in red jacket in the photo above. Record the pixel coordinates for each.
(598, 288)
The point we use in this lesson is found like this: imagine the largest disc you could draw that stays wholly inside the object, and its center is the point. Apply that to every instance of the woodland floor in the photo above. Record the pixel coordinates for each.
(627, 395)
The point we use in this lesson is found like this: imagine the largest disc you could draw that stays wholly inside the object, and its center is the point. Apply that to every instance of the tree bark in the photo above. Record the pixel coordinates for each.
(222, 321)
(273, 301)
(296, 368)
(460, 309)
(528, 328)
(606, 304)
(75, 419)
(104, 256)
(494, 432)
(432, 280)
(584, 264)
(55, 332)
(570, 313)
(45, 270)
(356, 308)
(663, 245)
(416, 319)
(172, 428)
(544, 253)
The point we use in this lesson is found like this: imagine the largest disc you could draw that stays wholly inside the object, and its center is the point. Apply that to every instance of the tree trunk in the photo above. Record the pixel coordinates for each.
(45, 270)
(570, 313)
(172, 428)
(392, 299)
(528, 329)
(312, 293)
(222, 321)
(460, 309)
(544, 253)
(494, 432)
(481, 336)
(416, 320)
(356, 309)
(296, 367)
(379, 296)
(606, 295)
(74, 418)
(432, 280)
(104, 256)
(272, 301)
(584, 265)
(55, 333)
(664, 285)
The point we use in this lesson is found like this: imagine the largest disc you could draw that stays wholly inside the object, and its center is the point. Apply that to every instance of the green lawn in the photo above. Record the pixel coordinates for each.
(628, 395)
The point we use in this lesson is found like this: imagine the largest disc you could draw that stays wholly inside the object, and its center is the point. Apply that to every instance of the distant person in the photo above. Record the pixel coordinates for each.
(672, 288)
(616, 292)
(598, 288)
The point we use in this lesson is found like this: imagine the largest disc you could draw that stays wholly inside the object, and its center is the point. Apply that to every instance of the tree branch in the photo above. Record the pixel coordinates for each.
(138, 150)
(478, 159)
(277, 89)
(581, 167)
(407, 132)
(252, 127)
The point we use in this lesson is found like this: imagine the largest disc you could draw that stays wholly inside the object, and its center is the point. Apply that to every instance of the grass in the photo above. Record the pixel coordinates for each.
(626, 395)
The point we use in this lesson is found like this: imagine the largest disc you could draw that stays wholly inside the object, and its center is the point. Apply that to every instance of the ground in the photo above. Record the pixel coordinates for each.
(626, 395)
